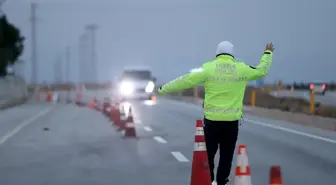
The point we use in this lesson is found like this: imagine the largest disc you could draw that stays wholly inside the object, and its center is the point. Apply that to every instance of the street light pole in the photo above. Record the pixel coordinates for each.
(1, 3)
(33, 19)
(67, 64)
(91, 28)
(58, 72)
(81, 59)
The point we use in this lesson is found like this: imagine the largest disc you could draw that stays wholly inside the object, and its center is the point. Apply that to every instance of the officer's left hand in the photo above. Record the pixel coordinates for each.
(269, 47)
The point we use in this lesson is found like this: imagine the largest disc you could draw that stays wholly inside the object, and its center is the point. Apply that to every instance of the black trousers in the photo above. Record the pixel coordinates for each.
(224, 134)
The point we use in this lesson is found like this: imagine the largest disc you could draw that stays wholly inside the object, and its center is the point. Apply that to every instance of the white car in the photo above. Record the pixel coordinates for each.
(318, 88)
(135, 83)
(136, 89)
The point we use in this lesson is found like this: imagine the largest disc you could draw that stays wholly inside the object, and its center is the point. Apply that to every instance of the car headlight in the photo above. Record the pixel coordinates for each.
(126, 88)
(150, 87)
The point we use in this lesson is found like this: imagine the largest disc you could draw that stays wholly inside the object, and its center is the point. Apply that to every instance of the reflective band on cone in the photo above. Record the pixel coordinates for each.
(200, 146)
(130, 127)
(55, 98)
(243, 171)
(199, 131)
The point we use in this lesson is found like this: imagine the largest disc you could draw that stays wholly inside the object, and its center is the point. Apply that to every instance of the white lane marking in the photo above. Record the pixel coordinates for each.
(148, 129)
(17, 129)
(291, 131)
(179, 156)
(159, 139)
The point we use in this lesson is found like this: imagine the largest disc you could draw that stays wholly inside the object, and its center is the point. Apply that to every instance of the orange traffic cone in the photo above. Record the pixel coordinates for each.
(129, 125)
(275, 176)
(114, 114)
(91, 103)
(200, 172)
(98, 105)
(106, 107)
(123, 118)
(49, 97)
(243, 171)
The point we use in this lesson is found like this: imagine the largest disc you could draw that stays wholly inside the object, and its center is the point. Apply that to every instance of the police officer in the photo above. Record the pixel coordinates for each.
(224, 81)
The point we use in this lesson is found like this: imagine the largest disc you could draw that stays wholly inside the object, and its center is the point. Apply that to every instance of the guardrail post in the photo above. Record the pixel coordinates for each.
(292, 91)
(312, 102)
(253, 98)
(277, 91)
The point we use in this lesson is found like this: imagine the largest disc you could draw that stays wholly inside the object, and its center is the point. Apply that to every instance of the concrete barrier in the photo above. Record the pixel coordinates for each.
(13, 91)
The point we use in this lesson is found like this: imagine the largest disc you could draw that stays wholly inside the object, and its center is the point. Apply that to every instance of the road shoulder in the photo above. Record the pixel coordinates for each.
(295, 118)
(80, 146)
(14, 119)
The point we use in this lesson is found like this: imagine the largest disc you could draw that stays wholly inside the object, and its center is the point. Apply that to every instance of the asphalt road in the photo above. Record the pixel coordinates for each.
(60, 144)
(328, 99)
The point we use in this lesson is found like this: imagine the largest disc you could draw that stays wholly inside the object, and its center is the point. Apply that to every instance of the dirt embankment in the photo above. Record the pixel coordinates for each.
(285, 104)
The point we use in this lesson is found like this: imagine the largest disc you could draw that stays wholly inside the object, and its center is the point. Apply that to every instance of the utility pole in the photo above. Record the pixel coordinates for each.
(58, 69)
(1, 3)
(81, 52)
(34, 70)
(67, 64)
(55, 72)
(92, 28)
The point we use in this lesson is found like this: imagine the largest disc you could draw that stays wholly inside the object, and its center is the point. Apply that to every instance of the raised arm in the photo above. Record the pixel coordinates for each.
(186, 81)
(253, 73)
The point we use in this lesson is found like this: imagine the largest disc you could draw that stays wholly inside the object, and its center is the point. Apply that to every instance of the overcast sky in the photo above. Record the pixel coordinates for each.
(174, 36)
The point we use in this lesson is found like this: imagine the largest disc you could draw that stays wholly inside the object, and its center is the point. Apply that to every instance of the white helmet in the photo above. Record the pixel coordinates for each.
(225, 47)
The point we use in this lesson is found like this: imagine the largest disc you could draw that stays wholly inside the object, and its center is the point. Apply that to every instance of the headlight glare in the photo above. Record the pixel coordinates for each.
(126, 88)
(150, 87)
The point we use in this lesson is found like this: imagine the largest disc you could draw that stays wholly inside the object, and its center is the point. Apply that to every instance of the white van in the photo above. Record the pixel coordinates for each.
(136, 83)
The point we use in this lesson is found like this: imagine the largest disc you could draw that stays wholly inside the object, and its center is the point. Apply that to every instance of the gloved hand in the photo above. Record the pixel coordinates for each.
(269, 47)
(159, 89)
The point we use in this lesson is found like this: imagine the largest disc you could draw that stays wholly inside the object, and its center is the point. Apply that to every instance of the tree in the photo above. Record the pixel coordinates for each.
(11, 45)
